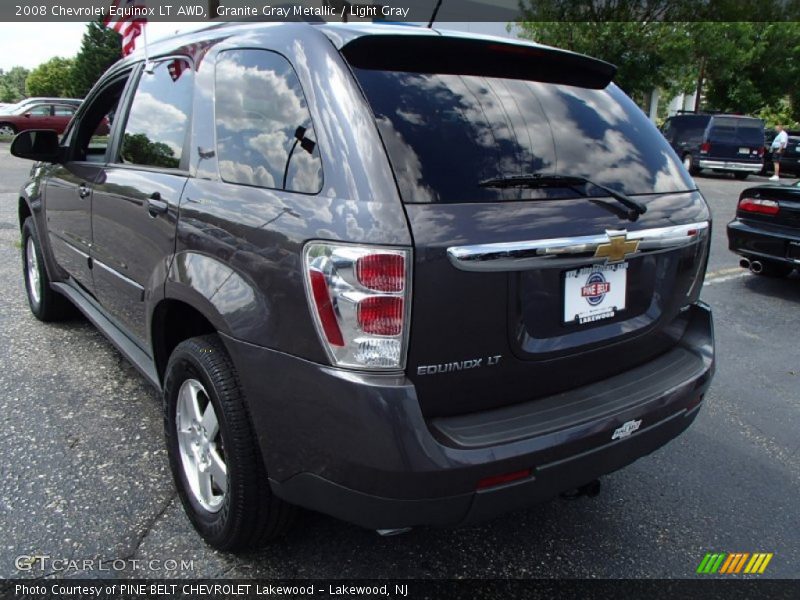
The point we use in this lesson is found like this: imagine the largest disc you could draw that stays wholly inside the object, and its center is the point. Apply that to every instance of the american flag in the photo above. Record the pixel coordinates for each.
(196, 52)
(129, 26)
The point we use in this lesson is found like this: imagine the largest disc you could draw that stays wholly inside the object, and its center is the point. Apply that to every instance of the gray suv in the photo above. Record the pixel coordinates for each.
(399, 276)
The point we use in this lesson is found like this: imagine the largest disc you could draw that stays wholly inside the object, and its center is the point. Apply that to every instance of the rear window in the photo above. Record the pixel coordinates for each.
(737, 130)
(445, 133)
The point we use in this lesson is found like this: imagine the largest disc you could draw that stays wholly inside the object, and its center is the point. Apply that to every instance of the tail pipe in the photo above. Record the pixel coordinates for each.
(589, 490)
(745, 263)
(756, 267)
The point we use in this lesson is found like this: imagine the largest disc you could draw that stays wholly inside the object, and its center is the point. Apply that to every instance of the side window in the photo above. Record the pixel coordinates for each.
(62, 110)
(668, 131)
(89, 136)
(40, 110)
(264, 132)
(158, 121)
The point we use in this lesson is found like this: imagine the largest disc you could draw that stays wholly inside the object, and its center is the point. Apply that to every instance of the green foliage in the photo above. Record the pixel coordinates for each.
(779, 114)
(101, 47)
(51, 78)
(137, 148)
(12, 84)
(644, 53)
(740, 66)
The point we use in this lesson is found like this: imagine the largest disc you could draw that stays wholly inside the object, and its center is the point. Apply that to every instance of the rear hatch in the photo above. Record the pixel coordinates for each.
(733, 138)
(510, 302)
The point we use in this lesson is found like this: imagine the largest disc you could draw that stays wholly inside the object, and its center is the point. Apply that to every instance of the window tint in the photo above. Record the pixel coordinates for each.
(40, 110)
(64, 111)
(159, 117)
(446, 134)
(264, 132)
(737, 130)
(690, 130)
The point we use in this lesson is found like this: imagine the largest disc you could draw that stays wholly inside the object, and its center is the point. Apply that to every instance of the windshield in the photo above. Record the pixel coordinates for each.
(444, 134)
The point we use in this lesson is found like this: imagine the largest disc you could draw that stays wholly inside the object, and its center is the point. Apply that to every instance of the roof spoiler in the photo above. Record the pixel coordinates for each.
(465, 56)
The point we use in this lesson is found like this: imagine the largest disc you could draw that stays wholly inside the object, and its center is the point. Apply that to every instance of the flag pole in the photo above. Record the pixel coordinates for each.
(144, 40)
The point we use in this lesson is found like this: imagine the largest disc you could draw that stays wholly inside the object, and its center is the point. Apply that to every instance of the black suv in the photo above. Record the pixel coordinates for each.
(725, 143)
(390, 274)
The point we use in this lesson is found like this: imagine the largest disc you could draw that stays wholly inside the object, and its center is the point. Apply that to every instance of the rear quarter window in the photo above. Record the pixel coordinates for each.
(265, 136)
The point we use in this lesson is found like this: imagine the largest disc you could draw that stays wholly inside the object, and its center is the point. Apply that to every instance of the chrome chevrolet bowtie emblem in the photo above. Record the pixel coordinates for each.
(618, 247)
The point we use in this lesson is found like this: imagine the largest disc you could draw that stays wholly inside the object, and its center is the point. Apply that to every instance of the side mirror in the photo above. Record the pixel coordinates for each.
(37, 144)
(27, 115)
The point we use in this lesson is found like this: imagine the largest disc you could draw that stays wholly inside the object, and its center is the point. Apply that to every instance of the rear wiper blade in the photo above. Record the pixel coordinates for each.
(544, 180)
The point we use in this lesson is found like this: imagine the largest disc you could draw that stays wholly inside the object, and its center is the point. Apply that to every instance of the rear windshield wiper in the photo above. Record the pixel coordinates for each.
(544, 180)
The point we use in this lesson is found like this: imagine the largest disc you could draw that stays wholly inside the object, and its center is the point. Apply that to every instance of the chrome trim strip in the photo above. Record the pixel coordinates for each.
(729, 164)
(569, 251)
(117, 274)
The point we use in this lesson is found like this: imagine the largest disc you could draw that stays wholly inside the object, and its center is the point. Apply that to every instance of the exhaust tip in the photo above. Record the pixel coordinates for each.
(756, 267)
(745, 263)
(590, 490)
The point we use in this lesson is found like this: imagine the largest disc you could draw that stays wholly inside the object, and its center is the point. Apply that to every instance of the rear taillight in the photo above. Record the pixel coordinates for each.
(759, 205)
(702, 233)
(761, 151)
(359, 298)
(705, 148)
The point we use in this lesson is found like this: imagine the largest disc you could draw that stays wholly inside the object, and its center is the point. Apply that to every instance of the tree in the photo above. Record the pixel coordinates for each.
(647, 55)
(683, 46)
(101, 47)
(51, 78)
(12, 84)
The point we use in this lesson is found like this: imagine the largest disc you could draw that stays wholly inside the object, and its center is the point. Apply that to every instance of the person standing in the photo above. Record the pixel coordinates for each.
(777, 148)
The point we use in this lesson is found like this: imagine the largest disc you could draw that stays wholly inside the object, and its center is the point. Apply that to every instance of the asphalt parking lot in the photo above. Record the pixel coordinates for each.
(85, 475)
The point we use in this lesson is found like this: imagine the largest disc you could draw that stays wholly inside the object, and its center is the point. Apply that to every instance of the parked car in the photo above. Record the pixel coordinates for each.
(766, 230)
(387, 273)
(720, 142)
(39, 100)
(790, 161)
(37, 116)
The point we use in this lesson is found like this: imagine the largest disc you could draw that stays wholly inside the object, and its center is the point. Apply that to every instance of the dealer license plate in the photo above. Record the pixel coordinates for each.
(594, 293)
(744, 150)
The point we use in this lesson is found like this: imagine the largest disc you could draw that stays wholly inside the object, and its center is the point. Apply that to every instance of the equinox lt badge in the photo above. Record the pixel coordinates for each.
(461, 365)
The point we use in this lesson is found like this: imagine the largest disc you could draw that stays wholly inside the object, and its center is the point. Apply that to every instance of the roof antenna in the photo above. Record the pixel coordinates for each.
(435, 12)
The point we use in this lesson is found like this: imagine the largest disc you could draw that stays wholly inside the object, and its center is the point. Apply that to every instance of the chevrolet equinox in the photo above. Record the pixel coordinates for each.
(396, 275)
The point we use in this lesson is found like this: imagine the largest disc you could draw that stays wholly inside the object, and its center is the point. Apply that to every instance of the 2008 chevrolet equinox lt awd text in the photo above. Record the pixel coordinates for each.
(395, 275)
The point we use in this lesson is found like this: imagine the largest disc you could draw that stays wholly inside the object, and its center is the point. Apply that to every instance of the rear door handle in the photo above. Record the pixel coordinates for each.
(84, 191)
(156, 206)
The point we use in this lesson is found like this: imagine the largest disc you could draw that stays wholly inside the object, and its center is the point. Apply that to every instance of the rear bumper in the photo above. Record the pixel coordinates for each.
(730, 165)
(357, 447)
(754, 240)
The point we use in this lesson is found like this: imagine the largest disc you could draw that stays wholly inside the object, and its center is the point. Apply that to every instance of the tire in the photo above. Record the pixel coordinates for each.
(7, 129)
(218, 471)
(775, 269)
(45, 303)
(741, 175)
(688, 164)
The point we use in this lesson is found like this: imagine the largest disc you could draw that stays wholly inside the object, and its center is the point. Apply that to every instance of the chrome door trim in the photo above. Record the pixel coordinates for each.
(570, 251)
(119, 276)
